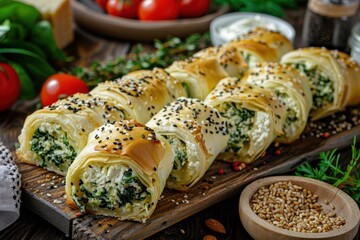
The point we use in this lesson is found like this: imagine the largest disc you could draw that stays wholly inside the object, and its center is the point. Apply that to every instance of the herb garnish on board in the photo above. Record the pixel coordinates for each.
(165, 54)
(330, 171)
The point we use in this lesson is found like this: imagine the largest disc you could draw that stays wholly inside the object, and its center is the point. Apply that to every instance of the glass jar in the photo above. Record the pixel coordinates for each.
(354, 43)
(328, 23)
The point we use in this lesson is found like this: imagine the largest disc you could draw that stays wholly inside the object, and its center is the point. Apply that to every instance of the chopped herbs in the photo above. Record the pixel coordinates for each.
(52, 147)
(162, 57)
(291, 114)
(179, 148)
(322, 87)
(241, 121)
(247, 57)
(110, 187)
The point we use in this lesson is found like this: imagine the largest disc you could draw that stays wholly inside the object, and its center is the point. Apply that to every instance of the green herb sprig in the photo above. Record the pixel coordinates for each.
(165, 53)
(330, 171)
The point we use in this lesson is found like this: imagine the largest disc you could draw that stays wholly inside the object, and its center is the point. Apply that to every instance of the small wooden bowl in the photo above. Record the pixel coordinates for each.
(345, 206)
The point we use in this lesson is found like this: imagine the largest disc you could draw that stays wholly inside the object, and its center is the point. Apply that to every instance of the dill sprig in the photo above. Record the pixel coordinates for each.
(330, 171)
(166, 52)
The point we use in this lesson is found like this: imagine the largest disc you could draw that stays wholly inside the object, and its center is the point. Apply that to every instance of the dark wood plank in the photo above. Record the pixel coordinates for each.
(44, 191)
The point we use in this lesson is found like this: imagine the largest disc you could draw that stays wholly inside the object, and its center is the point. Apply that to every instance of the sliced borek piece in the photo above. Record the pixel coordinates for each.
(197, 134)
(52, 137)
(292, 88)
(141, 93)
(228, 57)
(261, 45)
(198, 75)
(121, 172)
(255, 117)
(333, 77)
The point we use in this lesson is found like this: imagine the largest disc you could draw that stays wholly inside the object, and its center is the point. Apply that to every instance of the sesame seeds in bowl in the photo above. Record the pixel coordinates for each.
(290, 207)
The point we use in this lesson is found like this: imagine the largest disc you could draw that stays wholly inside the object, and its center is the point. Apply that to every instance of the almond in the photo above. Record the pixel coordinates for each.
(215, 225)
(209, 237)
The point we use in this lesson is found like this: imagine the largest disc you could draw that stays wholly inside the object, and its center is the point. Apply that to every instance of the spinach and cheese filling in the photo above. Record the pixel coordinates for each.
(185, 163)
(186, 88)
(322, 87)
(240, 123)
(250, 59)
(52, 147)
(111, 187)
(292, 121)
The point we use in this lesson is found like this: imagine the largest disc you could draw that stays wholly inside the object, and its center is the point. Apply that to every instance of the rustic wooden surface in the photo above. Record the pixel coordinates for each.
(221, 194)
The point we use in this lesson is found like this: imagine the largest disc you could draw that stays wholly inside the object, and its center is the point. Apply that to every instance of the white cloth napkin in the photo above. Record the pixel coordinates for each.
(9, 188)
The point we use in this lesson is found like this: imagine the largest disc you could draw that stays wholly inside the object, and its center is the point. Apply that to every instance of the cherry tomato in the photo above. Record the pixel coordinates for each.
(60, 86)
(102, 3)
(155, 10)
(9, 86)
(193, 8)
(123, 8)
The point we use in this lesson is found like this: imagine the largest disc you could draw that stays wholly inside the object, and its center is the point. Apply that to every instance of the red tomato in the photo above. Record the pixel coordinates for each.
(102, 3)
(123, 8)
(9, 86)
(155, 10)
(193, 8)
(60, 86)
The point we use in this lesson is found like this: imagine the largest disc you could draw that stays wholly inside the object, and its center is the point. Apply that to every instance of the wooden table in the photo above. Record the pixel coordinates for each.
(88, 49)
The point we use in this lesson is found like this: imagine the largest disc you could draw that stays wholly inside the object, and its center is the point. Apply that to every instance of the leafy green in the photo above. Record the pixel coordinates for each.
(130, 193)
(36, 66)
(18, 12)
(27, 42)
(329, 170)
(42, 35)
(272, 7)
(162, 57)
(51, 149)
(27, 90)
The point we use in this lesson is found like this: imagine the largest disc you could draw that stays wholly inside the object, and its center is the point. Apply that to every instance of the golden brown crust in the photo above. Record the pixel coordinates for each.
(259, 49)
(70, 202)
(227, 56)
(286, 82)
(332, 65)
(141, 93)
(352, 72)
(200, 74)
(132, 140)
(273, 39)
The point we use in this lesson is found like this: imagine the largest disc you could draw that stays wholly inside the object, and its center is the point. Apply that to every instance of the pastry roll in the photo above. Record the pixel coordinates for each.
(255, 118)
(52, 137)
(228, 57)
(198, 75)
(197, 134)
(333, 78)
(273, 39)
(292, 88)
(141, 93)
(121, 172)
(261, 45)
(352, 73)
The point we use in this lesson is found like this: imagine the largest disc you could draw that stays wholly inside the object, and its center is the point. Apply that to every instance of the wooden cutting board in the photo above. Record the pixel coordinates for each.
(43, 192)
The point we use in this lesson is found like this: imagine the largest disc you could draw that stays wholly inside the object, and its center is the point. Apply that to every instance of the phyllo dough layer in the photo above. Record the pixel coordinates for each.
(121, 172)
(52, 137)
(255, 118)
(196, 132)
